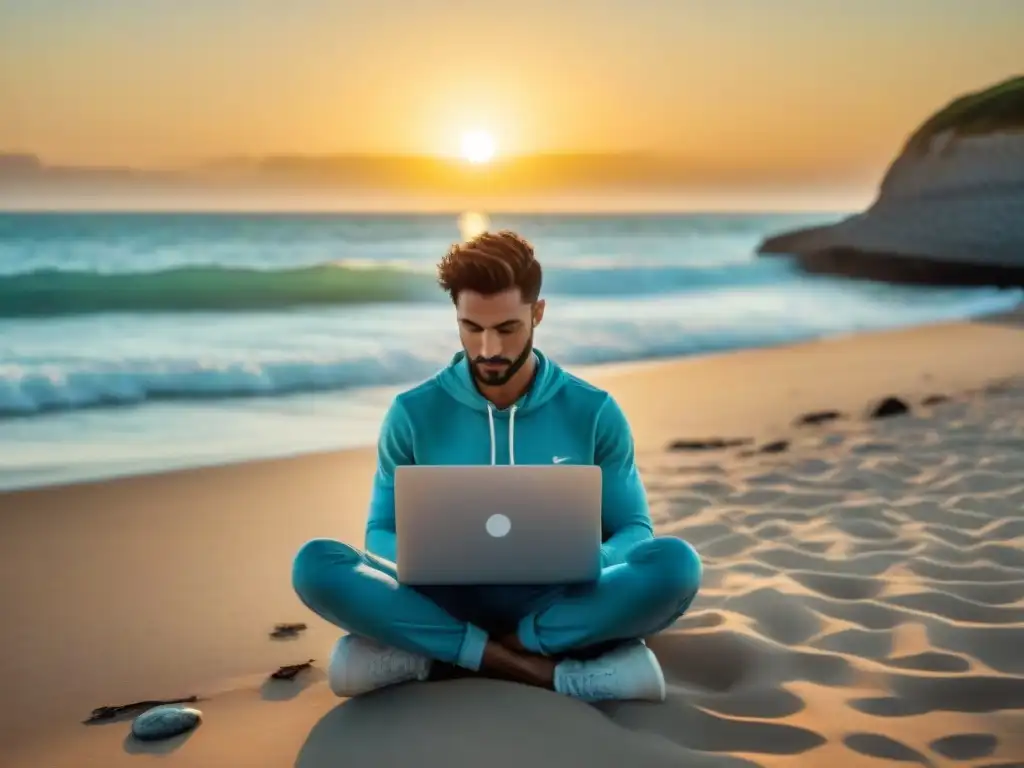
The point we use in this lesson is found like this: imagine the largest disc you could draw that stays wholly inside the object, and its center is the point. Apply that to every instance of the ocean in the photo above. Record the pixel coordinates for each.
(144, 342)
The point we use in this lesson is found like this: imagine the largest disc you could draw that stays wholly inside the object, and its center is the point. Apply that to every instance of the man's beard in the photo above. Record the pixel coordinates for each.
(512, 367)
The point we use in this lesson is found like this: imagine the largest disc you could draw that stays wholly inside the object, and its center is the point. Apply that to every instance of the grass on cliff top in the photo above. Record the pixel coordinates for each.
(998, 108)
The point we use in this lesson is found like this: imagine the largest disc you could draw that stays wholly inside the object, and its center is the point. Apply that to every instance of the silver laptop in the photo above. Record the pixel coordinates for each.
(511, 524)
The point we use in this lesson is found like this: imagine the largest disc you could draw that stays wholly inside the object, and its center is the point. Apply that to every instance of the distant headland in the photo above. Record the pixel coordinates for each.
(949, 210)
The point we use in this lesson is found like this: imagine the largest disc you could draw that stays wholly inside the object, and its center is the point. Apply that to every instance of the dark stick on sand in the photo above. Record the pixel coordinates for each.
(108, 713)
(287, 630)
(289, 671)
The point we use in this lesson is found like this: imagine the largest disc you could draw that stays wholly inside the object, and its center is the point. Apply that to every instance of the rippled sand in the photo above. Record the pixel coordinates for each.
(864, 592)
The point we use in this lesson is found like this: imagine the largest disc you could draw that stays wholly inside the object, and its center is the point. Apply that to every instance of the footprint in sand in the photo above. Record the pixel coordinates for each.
(931, 661)
(839, 586)
(965, 746)
(764, 703)
(781, 617)
(996, 647)
(962, 693)
(883, 748)
(866, 643)
(720, 660)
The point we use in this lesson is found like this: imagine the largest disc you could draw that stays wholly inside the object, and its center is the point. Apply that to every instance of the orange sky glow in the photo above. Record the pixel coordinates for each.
(794, 91)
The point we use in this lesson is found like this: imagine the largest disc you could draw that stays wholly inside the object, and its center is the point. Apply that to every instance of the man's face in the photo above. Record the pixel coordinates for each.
(497, 333)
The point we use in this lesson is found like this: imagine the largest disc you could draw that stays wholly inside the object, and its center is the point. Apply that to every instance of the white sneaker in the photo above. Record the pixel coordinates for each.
(631, 672)
(359, 665)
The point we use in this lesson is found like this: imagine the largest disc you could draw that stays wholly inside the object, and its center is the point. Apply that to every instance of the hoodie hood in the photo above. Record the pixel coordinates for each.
(457, 381)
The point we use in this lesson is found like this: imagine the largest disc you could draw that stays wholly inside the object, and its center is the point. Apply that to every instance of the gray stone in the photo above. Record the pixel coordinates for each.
(165, 721)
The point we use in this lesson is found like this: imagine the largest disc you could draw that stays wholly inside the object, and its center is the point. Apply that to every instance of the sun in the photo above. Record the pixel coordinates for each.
(477, 146)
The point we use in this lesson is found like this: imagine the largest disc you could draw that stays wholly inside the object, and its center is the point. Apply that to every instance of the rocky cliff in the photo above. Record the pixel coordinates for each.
(950, 209)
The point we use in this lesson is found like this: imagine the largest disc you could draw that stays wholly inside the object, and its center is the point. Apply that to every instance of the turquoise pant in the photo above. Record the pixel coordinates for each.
(358, 592)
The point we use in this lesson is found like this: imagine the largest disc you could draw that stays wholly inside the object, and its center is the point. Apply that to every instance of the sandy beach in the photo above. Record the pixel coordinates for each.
(863, 601)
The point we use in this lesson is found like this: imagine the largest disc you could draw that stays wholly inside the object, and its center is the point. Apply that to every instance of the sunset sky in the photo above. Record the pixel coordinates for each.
(824, 86)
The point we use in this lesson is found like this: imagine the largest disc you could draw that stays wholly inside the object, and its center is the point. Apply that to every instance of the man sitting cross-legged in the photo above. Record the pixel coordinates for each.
(501, 401)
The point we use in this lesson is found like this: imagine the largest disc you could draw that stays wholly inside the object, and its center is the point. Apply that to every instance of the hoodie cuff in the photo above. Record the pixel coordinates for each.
(471, 654)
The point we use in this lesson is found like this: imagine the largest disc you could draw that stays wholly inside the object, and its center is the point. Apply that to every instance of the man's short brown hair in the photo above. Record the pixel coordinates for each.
(490, 263)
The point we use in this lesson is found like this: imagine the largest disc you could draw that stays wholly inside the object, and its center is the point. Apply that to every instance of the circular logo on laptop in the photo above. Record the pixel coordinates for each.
(498, 525)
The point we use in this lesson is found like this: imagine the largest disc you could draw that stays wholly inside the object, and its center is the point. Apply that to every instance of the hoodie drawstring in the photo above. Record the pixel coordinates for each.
(490, 422)
(511, 435)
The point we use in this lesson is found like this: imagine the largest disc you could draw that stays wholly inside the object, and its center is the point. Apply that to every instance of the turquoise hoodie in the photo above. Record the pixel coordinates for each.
(446, 420)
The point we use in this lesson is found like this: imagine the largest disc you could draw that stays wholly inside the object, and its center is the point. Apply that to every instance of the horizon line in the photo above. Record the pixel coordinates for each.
(198, 163)
(398, 212)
